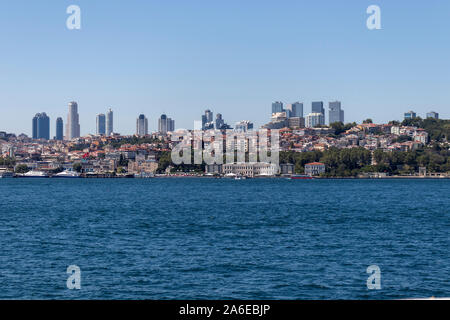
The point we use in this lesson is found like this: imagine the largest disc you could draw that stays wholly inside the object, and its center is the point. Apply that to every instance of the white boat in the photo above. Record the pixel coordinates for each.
(67, 174)
(35, 174)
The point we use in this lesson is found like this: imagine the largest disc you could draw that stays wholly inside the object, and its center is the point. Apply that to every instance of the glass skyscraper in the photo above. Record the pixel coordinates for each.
(109, 122)
(101, 124)
(277, 106)
(59, 129)
(141, 125)
(41, 126)
(336, 114)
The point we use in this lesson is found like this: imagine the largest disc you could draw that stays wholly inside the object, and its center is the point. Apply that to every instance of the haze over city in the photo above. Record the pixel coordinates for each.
(231, 57)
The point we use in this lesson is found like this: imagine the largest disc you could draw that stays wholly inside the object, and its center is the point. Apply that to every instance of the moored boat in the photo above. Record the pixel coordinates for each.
(67, 174)
(6, 174)
(301, 177)
(35, 174)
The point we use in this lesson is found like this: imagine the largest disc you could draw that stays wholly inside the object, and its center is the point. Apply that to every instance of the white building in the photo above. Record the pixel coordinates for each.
(109, 122)
(73, 122)
(314, 119)
(250, 169)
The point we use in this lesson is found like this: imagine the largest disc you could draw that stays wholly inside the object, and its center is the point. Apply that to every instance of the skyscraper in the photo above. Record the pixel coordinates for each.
(170, 125)
(101, 124)
(109, 122)
(165, 124)
(73, 122)
(34, 127)
(41, 126)
(277, 106)
(142, 125)
(294, 110)
(336, 114)
(317, 107)
(209, 115)
(59, 129)
(219, 121)
(207, 120)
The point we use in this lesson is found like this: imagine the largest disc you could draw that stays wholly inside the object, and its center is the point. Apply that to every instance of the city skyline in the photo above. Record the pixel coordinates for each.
(185, 68)
(292, 113)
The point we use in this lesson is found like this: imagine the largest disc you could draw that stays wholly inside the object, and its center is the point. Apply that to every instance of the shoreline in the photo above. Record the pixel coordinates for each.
(233, 178)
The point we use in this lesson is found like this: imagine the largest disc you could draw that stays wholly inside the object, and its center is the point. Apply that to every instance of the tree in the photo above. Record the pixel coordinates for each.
(368, 121)
(22, 168)
(77, 167)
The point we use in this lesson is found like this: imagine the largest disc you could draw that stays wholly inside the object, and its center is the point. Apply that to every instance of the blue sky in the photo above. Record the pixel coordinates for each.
(234, 57)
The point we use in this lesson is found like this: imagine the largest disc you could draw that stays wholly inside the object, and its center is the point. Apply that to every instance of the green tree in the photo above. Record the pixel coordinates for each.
(77, 167)
(22, 168)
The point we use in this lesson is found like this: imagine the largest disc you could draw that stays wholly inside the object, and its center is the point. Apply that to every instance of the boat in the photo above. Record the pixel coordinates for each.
(35, 174)
(67, 174)
(301, 177)
(6, 174)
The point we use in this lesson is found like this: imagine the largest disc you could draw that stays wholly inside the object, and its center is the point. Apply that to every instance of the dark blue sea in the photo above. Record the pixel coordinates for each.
(187, 238)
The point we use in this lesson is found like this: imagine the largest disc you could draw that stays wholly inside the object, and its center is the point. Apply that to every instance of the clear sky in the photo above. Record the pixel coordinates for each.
(234, 57)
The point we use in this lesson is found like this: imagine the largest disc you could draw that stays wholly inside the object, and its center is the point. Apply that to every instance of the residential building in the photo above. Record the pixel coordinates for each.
(296, 122)
(314, 119)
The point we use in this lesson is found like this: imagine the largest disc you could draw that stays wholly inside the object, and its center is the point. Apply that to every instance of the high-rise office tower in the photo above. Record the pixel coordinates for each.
(34, 127)
(59, 129)
(170, 125)
(314, 119)
(207, 120)
(101, 124)
(73, 122)
(219, 121)
(294, 110)
(209, 115)
(317, 107)
(165, 124)
(109, 122)
(433, 115)
(142, 125)
(162, 124)
(336, 114)
(41, 126)
(277, 106)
